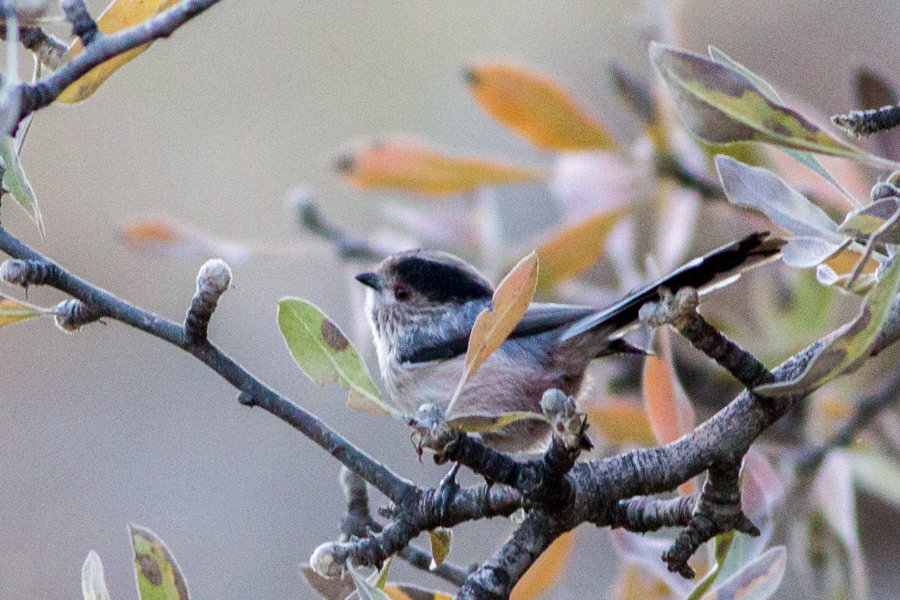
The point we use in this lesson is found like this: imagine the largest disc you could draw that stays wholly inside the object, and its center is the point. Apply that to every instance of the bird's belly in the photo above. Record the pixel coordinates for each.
(502, 384)
(414, 384)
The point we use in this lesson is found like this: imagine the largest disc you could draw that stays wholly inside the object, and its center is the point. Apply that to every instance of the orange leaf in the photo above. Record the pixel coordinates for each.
(536, 108)
(119, 15)
(844, 262)
(179, 240)
(670, 411)
(142, 234)
(511, 299)
(545, 570)
(620, 421)
(573, 251)
(410, 165)
(411, 592)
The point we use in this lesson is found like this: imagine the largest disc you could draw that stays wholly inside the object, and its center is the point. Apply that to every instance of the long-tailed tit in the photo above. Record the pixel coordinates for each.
(421, 307)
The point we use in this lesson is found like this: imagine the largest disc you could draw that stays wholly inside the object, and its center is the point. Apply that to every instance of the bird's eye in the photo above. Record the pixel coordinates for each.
(401, 293)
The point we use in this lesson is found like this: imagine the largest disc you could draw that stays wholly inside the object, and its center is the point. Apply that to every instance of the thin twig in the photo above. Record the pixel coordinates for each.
(38, 95)
(253, 391)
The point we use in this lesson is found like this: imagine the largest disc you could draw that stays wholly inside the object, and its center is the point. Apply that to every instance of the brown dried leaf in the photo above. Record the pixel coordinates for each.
(511, 299)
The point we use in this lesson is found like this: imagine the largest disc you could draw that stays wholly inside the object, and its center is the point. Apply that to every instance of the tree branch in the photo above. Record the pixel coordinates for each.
(253, 391)
(40, 94)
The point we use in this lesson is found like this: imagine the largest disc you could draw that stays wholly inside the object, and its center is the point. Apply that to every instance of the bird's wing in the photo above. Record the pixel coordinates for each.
(448, 337)
(542, 317)
(444, 336)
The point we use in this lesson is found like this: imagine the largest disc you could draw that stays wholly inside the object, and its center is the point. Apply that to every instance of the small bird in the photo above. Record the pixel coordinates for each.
(421, 306)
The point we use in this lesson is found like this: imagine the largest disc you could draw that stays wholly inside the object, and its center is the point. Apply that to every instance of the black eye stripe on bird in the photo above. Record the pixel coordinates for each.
(421, 345)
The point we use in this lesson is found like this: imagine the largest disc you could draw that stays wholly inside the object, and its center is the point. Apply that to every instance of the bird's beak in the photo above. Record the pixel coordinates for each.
(371, 280)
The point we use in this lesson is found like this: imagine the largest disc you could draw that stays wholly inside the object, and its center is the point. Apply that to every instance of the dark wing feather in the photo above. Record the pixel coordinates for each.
(543, 317)
(539, 318)
(702, 273)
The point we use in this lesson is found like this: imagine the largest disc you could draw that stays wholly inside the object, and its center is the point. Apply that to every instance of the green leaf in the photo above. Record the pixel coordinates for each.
(759, 188)
(485, 423)
(93, 584)
(806, 252)
(864, 222)
(877, 475)
(17, 183)
(441, 542)
(765, 88)
(722, 106)
(366, 590)
(324, 354)
(834, 495)
(844, 351)
(758, 580)
(721, 546)
(379, 578)
(157, 573)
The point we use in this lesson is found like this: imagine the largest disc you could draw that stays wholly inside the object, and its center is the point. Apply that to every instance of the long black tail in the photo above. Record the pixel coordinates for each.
(702, 273)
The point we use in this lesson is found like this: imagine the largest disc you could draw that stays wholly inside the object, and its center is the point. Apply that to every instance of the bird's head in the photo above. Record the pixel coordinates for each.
(421, 282)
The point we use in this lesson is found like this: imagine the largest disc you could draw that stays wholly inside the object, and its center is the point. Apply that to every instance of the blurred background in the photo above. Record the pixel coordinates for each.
(213, 127)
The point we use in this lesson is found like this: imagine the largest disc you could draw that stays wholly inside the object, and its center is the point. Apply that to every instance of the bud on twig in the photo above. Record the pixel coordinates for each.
(212, 281)
(72, 315)
(83, 25)
(323, 561)
(28, 272)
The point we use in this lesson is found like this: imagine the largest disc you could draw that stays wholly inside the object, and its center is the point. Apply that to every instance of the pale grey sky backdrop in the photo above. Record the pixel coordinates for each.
(213, 126)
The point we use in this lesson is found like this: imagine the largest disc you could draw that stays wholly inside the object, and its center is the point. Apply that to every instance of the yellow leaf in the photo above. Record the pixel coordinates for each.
(13, 311)
(536, 108)
(573, 251)
(119, 15)
(636, 584)
(441, 542)
(511, 299)
(620, 421)
(545, 570)
(670, 412)
(410, 165)
(485, 423)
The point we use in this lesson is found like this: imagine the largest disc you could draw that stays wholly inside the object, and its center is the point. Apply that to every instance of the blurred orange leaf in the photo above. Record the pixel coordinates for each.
(119, 15)
(573, 251)
(545, 570)
(401, 591)
(670, 412)
(410, 165)
(620, 421)
(536, 108)
(163, 237)
(511, 299)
